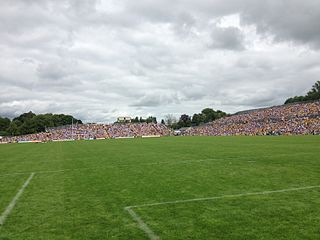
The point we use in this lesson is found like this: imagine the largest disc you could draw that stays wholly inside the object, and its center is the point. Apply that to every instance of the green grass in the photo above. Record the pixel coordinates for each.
(102, 177)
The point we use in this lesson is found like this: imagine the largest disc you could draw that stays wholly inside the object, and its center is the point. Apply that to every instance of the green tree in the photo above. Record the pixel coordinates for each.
(197, 119)
(151, 120)
(220, 114)
(209, 114)
(314, 93)
(184, 121)
(13, 129)
(25, 116)
(4, 123)
(31, 123)
(295, 99)
(135, 120)
(141, 120)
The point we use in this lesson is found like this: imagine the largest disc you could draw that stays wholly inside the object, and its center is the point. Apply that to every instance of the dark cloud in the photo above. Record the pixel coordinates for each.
(101, 59)
(229, 38)
(287, 20)
(156, 100)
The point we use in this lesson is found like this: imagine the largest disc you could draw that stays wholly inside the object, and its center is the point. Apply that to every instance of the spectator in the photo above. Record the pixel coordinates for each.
(302, 118)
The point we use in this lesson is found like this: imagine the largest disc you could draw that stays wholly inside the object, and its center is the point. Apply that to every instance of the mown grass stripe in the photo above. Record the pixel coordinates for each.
(171, 162)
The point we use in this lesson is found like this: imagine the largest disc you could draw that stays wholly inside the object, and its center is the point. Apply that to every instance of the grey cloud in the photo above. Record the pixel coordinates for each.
(287, 20)
(53, 71)
(101, 59)
(229, 38)
(193, 92)
(156, 100)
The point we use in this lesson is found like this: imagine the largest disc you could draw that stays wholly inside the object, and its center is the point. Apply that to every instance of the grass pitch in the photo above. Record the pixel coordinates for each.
(80, 189)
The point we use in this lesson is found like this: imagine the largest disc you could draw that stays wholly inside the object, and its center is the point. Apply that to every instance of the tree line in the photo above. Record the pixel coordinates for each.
(205, 116)
(313, 94)
(149, 119)
(29, 122)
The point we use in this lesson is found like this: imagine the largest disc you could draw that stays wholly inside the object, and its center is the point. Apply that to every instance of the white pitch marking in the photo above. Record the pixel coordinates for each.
(224, 196)
(45, 171)
(152, 235)
(143, 226)
(13, 202)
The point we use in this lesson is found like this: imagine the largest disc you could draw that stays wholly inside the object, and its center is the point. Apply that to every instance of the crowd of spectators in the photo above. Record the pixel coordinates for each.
(292, 119)
(136, 130)
(93, 131)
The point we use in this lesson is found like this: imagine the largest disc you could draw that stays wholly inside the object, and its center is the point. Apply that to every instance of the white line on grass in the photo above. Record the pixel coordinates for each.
(45, 171)
(152, 235)
(13, 202)
(143, 226)
(225, 196)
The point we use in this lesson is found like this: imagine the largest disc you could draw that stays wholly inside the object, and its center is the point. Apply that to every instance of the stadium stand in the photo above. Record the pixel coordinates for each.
(290, 119)
(93, 131)
(293, 119)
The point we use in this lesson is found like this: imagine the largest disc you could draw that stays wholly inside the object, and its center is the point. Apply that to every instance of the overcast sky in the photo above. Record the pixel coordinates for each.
(101, 59)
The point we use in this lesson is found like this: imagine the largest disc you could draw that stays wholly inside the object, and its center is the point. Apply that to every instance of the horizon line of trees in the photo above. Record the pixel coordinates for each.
(28, 123)
(313, 94)
(205, 116)
(149, 119)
